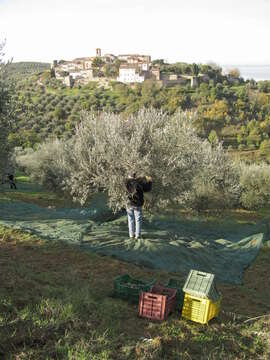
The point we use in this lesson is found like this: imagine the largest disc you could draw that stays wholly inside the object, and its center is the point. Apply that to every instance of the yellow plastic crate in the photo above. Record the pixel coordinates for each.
(200, 310)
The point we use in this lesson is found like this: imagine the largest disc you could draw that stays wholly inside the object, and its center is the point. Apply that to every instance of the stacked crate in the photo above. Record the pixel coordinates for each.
(158, 303)
(178, 286)
(129, 288)
(202, 300)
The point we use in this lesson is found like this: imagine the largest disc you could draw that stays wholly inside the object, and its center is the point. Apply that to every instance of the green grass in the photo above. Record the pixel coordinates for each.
(23, 178)
(30, 192)
(56, 303)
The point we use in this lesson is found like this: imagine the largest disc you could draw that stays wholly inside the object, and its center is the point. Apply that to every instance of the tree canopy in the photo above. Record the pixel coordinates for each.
(107, 147)
(5, 98)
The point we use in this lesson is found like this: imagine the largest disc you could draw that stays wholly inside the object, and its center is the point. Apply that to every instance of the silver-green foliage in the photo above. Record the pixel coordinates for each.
(255, 184)
(107, 148)
(217, 183)
(48, 165)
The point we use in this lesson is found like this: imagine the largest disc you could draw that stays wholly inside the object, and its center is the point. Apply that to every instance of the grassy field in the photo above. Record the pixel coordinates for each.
(32, 193)
(56, 303)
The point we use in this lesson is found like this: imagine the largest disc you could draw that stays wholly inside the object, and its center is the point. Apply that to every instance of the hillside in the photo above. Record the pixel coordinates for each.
(21, 70)
(238, 113)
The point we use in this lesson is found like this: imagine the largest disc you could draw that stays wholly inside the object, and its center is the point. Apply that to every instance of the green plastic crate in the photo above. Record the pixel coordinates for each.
(177, 285)
(129, 288)
(202, 285)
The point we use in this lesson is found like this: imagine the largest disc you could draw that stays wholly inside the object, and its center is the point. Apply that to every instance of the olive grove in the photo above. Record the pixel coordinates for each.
(186, 170)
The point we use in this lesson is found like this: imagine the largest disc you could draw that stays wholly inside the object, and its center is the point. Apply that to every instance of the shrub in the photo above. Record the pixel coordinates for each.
(265, 149)
(59, 113)
(54, 102)
(255, 183)
(47, 165)
(241, 147)
(251, 146)
(217, 183)
(49, 107)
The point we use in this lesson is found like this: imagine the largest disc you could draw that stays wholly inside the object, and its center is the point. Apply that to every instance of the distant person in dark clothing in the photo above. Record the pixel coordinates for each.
(135, 189)
(11, 181)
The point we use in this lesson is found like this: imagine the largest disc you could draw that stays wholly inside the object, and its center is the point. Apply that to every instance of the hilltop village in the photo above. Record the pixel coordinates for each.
(125, 68)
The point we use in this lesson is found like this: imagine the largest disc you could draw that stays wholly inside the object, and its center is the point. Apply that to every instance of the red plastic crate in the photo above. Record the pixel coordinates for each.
(158, 303)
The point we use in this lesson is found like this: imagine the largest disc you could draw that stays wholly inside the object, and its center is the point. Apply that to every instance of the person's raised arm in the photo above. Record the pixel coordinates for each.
(147, 185)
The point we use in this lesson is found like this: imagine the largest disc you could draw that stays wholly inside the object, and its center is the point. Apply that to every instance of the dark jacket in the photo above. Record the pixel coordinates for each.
(135, 189)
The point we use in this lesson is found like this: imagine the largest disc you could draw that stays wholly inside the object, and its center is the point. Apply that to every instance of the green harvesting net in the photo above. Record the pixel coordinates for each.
(224, 248)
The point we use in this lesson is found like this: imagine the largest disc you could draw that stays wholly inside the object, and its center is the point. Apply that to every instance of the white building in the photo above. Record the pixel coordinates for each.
(87, 74)
(68, 81)
(130, 74)
(69, 66)
(145, 66)
(76, 74)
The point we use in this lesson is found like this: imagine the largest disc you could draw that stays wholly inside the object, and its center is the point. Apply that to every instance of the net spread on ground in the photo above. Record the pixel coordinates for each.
(224, 248)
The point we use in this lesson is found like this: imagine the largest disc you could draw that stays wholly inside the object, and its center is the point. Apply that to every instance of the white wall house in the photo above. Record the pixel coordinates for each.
(87, 74)
(58, 75)
(63, 67)
(130, 75)
(76, 74)
(145, 66)
(69, 66)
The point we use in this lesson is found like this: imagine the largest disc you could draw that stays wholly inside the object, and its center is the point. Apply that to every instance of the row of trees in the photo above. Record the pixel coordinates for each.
(53, 110)
(21, 70)
(187, 170)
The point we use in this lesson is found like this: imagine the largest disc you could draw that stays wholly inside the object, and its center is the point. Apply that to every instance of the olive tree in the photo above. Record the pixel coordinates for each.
(217, 183)
(48, 165)
(4, 116)
(255, 184)
(107, 147)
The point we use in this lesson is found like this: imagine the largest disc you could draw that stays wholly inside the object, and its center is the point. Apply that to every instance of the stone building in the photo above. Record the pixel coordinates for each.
(135, 58)
(109, 58)
(68, 81)
(134, 68)
(173, 79)
(155, 72)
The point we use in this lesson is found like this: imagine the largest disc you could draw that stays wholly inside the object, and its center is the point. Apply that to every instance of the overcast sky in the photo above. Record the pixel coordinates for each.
(223, 31)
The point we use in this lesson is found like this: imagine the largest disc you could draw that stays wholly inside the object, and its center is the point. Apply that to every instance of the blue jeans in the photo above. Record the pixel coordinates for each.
(134, 217)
